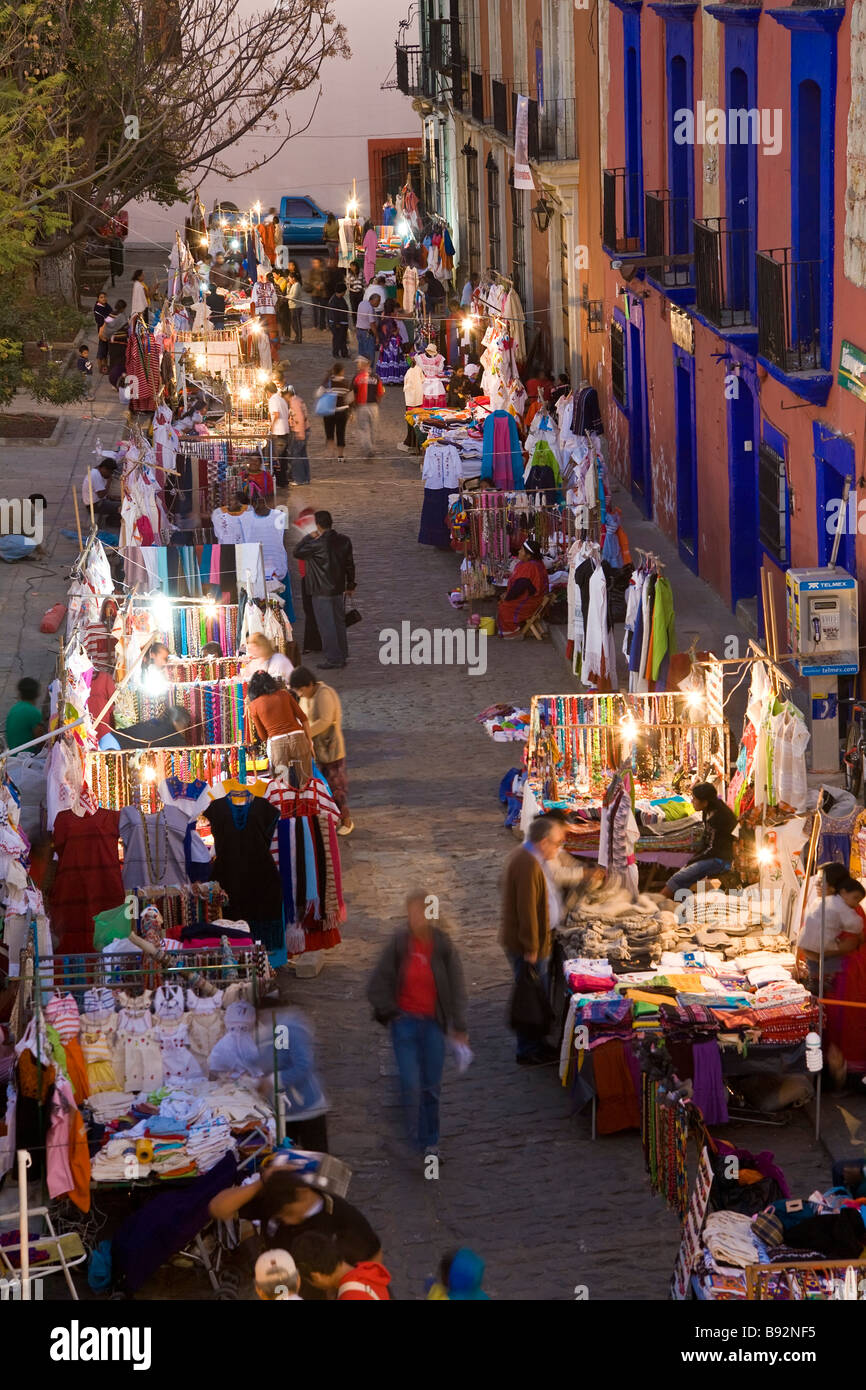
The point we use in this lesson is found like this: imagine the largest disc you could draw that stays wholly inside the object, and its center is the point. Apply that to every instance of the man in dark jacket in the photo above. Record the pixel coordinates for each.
(166, 731)
(330, 576)
(530, 910)
(417, 988)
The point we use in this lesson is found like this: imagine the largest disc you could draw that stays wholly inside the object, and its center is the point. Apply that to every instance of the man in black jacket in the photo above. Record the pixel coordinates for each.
(330, 576)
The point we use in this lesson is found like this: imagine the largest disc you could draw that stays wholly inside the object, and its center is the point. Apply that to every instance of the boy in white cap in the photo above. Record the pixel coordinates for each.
(277, 1278)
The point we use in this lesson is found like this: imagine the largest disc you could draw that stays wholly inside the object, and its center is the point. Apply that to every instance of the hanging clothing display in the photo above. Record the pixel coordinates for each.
(242, 831)
(306, 849)
(502, 463)
(154, 847)
(88, 878)
(432, 369)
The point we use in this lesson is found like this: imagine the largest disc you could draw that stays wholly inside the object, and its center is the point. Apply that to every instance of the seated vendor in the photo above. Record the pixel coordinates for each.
(460, 389)
(843, 927)
(526, 590)
(717, 852)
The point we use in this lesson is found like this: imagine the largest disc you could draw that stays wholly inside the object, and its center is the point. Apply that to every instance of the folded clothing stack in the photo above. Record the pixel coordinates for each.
(110, 1105)
(730, 1240)
(209, 1141)
(117, 1162)
(171, 1160)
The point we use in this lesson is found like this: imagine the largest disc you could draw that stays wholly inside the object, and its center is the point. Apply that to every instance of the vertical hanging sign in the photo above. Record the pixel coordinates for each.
(522, 172)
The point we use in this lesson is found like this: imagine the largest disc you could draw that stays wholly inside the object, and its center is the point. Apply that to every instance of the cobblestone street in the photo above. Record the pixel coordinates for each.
(521, 1181)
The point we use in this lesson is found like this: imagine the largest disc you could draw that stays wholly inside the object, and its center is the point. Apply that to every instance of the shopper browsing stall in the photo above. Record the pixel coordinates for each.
(322, 707)
(531, 909)
(278, 719)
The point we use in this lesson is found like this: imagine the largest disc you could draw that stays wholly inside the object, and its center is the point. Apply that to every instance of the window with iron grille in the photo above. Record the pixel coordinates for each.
(772, 503)
(518, 237)
(493, 213)
(617, 363)
(473, 212)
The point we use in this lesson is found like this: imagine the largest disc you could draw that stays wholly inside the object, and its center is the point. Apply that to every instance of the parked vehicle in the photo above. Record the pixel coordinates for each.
(303, 221)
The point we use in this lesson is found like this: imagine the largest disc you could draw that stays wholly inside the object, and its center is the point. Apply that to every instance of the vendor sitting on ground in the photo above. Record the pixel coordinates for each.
(717, 853)
(843, 926)
(526, 590)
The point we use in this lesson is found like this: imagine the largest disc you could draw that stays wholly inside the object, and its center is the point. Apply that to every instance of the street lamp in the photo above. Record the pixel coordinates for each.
(542, 212)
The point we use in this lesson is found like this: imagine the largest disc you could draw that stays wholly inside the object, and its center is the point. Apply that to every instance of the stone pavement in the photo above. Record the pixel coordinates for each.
(521, 1182)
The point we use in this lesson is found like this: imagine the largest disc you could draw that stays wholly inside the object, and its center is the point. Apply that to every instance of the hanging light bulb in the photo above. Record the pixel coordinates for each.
(629, 729)
(765, 855)
(148, 774)
(201, 361)
(261, 376)
(154, 681)
(695, 700)
(211, 610)
(234, 244)
(468, 324)
(204, 242)
(160, 610)
(245, 393)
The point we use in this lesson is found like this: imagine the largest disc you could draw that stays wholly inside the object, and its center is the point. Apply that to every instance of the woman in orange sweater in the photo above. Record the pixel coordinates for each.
(277, 717)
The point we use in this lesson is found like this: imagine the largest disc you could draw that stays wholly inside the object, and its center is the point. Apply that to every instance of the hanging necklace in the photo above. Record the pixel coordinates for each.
(155, 872)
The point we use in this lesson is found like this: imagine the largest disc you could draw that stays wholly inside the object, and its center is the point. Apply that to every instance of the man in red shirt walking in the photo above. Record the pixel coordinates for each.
(417, 988)
(367, 391)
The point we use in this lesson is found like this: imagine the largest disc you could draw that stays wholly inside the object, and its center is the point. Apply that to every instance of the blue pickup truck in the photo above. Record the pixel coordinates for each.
(303, 221)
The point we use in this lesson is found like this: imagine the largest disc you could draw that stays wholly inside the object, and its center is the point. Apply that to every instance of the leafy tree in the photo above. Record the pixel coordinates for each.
(142, 98)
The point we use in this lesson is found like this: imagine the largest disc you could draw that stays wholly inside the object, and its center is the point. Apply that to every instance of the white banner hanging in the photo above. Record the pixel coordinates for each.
(522, 172)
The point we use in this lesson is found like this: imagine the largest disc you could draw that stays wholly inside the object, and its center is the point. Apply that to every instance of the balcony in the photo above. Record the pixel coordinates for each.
(410, 75)
(476, 97)
(620, 211)
(722, 273)
(558, 130)
(789, 305)
(666, 221)
(499, 95)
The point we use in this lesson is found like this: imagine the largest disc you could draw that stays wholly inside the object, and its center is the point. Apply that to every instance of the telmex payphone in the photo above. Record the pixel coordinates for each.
(822, 621)
(823, 632)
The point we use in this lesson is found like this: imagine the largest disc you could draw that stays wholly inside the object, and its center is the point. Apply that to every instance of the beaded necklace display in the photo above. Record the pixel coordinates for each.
(132, 778)
(155, 870)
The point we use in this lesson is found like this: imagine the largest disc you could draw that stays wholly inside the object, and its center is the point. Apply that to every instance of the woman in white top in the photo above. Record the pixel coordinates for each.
(140, 296)
(261, 656)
